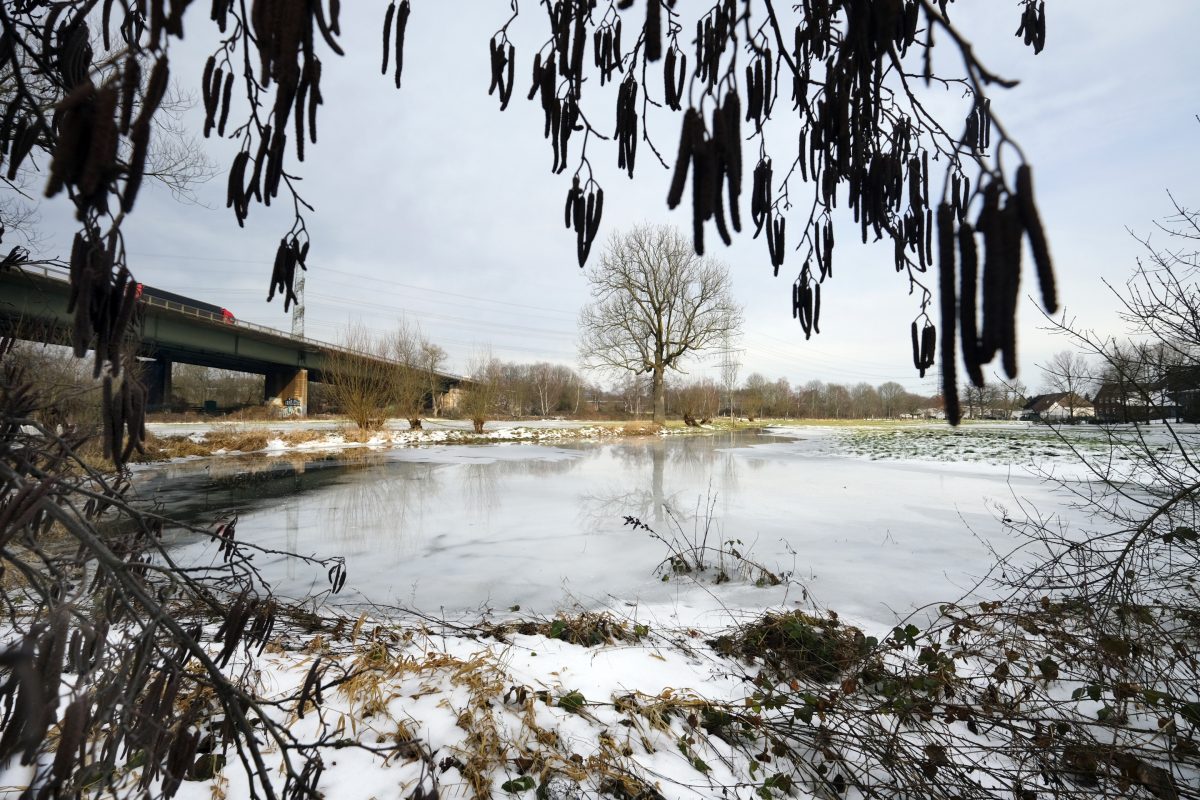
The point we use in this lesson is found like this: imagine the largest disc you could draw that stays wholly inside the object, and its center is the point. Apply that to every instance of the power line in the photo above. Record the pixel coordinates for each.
(441, 317)
(361, 276)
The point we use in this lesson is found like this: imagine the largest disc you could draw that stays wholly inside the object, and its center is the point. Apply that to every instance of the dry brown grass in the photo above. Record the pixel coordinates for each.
(232, 437)
(639, 428)
(161, 447)
(358, 435)
(302, 436)
(588, 629)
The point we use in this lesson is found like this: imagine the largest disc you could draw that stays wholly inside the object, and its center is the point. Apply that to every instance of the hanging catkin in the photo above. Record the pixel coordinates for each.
(1037, 238)
(946, 296)
(969, 265)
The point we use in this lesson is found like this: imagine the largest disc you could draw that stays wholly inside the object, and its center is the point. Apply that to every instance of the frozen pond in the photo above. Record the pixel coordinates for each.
(448, 529)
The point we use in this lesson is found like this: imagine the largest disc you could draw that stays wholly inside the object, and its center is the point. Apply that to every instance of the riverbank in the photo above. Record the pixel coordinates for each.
(788, 703)
(174, 439)
(180, 440)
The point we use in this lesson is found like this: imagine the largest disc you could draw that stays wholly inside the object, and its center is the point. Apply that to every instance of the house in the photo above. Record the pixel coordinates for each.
(1060, 406)
(1174, 395)
(1182, 390)
(1117, 402)
(937, 410)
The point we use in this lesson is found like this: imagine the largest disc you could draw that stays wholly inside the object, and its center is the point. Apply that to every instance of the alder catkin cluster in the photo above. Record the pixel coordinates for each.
(285, 32)
(759, 89)
(714, 158)
(97, 136)
(606, 43)
(561, 114)
(582, 213)
(291, 253)
(924, 346)
(714, 33)
(88, 123)
(1033, 24)
(626, 131)
(124, 418)
(984, 310)
(806, 302)
(398, 14)
(674, 74)
(504, 60)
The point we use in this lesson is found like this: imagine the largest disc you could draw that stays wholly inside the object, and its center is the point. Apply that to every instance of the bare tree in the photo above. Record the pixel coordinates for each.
(433, 357)
(981, 402)
(865, 400)
(730, 365)
(654, 302)
(837, 401)
(415, 372)
(516, 392)
(1157, 370)
(482, 389)
(780, 398)
(1162, 298)
(632, 391)
(890, 394)
(358, 380)
(754, 395)
(550, 383)
(576, 391)
(1069, 373)
(66, 389)
(698, 401)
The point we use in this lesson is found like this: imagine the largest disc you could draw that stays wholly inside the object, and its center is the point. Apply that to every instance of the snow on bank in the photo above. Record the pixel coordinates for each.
(199, 439)
(480, 712)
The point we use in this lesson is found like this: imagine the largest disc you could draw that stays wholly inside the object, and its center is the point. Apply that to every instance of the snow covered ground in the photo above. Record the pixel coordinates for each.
(431, 425)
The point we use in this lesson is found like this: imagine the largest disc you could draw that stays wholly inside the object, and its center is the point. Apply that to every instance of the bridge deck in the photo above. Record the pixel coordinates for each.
(33, 305)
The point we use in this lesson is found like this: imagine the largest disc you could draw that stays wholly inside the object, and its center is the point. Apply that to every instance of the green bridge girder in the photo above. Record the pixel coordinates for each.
(33, 306)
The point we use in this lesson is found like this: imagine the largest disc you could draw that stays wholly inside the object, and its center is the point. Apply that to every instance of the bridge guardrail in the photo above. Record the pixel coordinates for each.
(59, 272)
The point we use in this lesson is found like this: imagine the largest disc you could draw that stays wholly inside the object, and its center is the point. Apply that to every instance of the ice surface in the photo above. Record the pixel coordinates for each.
(460, 528)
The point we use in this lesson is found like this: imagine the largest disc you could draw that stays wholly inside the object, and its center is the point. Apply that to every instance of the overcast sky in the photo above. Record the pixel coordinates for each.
(433, 205)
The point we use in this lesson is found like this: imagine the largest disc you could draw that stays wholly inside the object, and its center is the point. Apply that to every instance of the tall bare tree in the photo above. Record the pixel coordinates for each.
(698, 401)
(415, 376)
(359, 383)
(889, 398)
(754, 395)
(550, 382)
(1069, 372)
(730, 365)
(482, 389)
(433, 358)
(654, 302)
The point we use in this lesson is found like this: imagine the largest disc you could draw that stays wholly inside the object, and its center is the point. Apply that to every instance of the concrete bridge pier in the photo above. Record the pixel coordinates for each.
(288, 389)
(157, 377)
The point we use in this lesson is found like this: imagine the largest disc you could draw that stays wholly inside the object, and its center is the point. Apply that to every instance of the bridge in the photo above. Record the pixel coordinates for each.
(33, 306)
